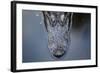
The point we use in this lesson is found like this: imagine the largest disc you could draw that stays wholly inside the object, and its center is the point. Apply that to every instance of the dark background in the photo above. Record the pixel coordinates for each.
(34, 38)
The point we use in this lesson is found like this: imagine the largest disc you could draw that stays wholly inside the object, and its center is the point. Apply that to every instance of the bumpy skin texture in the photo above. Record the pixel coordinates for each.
(58, 26)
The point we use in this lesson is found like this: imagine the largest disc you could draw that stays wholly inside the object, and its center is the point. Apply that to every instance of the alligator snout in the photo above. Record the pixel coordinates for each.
(58, 53)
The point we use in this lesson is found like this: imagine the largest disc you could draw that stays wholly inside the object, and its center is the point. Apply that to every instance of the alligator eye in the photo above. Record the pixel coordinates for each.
(53, 20)
(52, 17)
(62, 17)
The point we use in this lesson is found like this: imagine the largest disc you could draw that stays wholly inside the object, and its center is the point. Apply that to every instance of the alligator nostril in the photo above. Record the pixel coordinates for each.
(58, 53)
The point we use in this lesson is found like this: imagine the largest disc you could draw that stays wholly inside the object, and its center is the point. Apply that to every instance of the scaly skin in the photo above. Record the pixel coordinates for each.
(58, 26)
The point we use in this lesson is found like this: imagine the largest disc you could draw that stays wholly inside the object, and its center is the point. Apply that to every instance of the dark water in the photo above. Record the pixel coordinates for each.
(34, 48)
